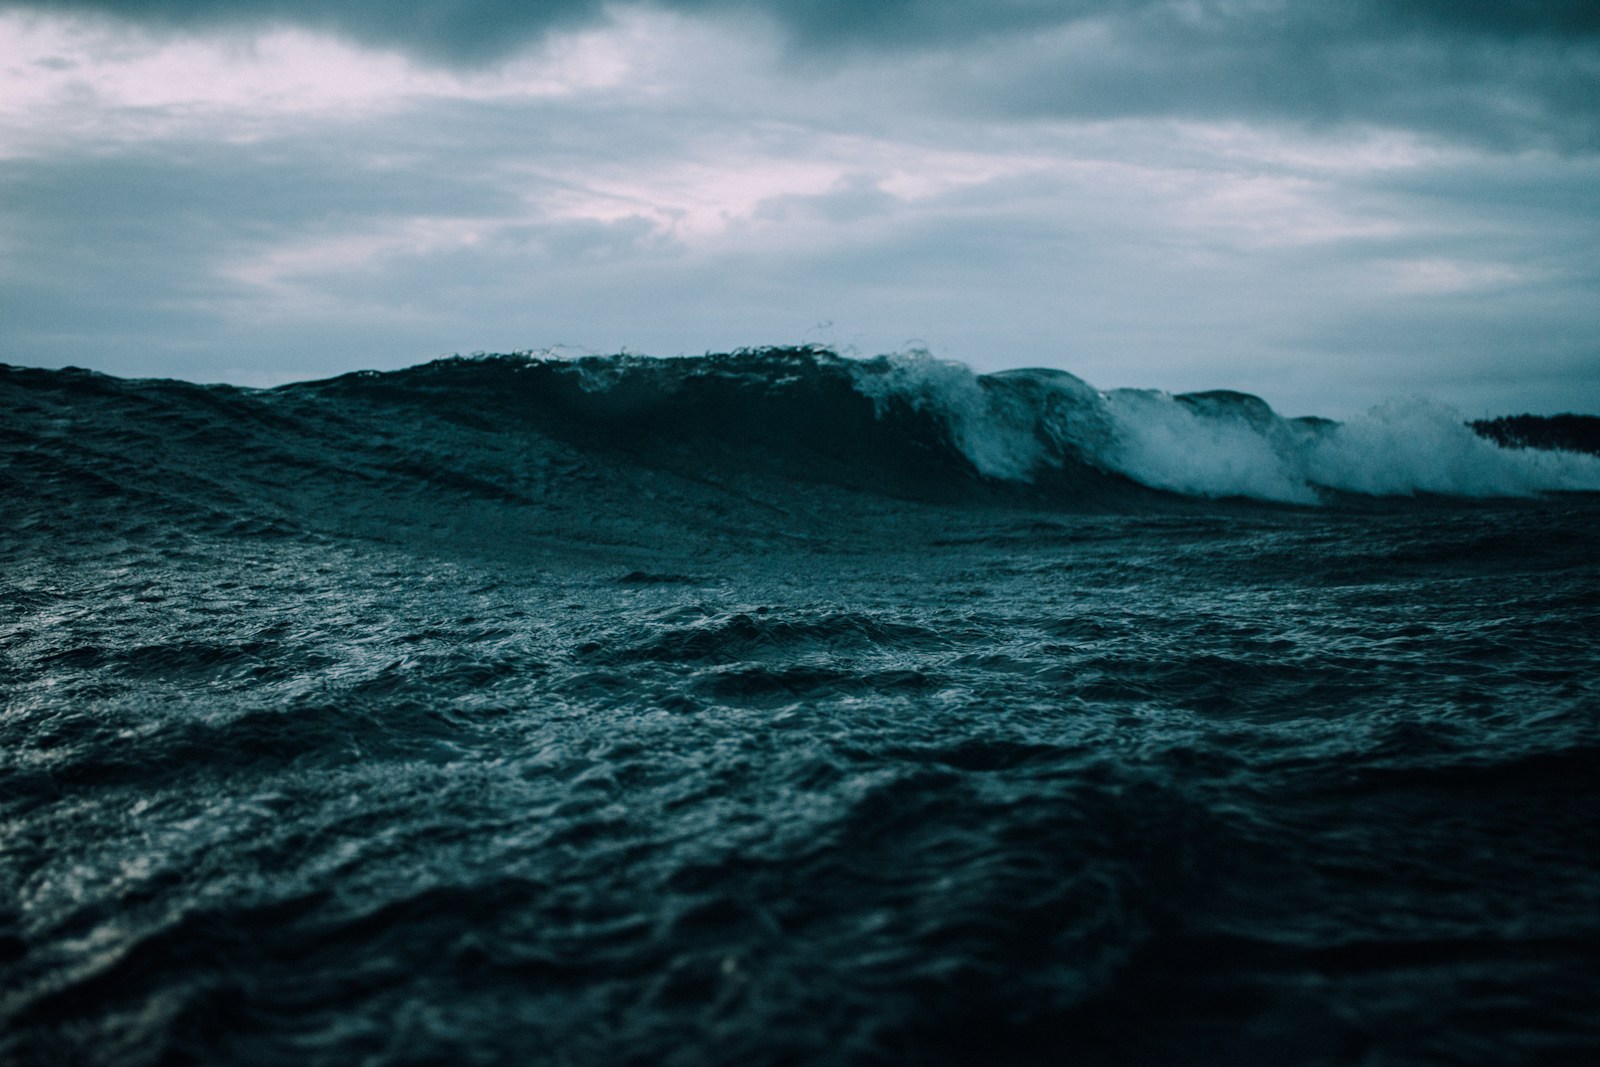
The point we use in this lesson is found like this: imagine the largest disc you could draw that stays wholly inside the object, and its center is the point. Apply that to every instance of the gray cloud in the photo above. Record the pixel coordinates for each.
(475, 29)
(454, 31)
(124, 260)
(1502, 73)
(1505, 93)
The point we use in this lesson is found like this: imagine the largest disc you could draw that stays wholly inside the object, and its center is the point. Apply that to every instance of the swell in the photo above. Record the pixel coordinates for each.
(913, 426)
(804, 415)
(776, 443)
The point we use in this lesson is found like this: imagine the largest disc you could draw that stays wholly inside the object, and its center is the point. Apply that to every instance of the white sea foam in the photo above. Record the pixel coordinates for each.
(1012, 425)
(1160, 441)
(1419, 446)
(997, 434)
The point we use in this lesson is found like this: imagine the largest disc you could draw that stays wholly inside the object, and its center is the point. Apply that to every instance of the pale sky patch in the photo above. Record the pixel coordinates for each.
(1451, 276)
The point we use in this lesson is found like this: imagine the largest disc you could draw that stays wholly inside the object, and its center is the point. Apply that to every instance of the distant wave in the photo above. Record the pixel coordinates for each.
(906, 426)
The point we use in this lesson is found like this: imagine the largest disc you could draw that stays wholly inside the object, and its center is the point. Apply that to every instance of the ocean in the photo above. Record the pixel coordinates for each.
(781, 708)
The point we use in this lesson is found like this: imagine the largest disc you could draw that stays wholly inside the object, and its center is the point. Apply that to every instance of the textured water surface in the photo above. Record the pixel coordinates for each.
(382, 722)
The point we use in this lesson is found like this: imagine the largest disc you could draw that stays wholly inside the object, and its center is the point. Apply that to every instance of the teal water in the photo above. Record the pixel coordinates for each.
(405, 720)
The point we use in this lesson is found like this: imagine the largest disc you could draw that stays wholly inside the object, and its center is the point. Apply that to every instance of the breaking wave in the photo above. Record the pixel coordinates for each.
(1221, 443)
(906, 426)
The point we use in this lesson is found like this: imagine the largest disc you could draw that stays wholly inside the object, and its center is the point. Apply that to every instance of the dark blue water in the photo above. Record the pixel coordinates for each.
(775, 709)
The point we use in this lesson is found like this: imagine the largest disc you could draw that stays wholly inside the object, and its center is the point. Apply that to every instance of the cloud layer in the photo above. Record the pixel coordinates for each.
(1505, 72)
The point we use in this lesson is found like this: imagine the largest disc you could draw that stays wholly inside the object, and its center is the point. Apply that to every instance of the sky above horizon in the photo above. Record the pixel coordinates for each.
(1326, 205)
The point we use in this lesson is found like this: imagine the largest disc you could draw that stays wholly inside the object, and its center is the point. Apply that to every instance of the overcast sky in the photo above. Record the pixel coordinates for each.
(1326, 204)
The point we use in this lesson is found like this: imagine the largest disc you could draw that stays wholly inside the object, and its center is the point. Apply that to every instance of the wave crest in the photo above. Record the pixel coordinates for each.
(906, 425)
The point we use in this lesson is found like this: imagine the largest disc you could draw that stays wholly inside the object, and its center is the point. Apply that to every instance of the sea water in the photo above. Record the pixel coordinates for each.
(784, 709)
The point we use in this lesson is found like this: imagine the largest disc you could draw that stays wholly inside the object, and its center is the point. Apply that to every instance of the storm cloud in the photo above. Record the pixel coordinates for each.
(1503, 72)
(1324, 204)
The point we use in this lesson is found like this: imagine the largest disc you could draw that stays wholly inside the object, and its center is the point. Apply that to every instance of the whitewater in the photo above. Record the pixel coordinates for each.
(782, 708)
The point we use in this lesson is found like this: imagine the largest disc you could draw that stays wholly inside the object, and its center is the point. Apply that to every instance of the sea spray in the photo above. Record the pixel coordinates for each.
(1214, 444)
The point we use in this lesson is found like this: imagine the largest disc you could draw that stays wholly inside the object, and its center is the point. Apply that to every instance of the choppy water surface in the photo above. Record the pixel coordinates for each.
(337, 733)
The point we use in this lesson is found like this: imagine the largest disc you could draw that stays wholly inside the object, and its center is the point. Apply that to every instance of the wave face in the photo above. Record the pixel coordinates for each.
(781, 709)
